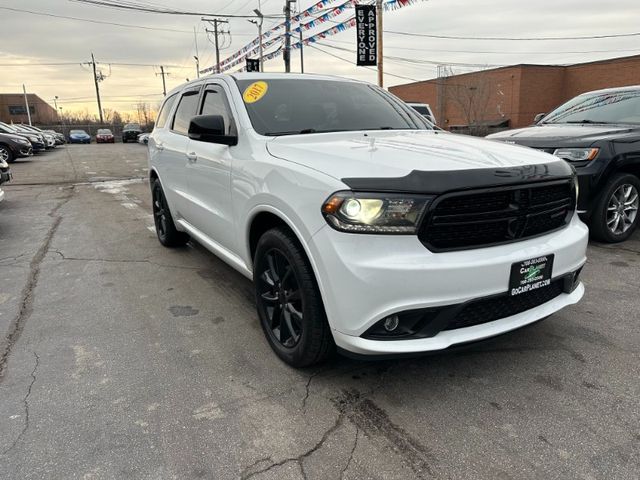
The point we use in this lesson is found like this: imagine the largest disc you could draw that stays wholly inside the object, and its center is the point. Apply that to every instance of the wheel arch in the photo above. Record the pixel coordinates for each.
(264, 218)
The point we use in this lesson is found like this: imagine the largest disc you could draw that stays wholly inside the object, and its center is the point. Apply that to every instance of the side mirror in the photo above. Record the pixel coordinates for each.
(539, 117)
(211, 129)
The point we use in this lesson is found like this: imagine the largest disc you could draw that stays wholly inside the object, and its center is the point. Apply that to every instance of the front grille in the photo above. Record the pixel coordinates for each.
(465, 220)
(488, 310)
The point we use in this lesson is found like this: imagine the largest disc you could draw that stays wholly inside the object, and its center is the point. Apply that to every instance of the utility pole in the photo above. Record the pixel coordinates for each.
(26, 103)
(164, 84)
(301, 53)
(287, 36)
(379, 11)
(216, 33)
(95, 79)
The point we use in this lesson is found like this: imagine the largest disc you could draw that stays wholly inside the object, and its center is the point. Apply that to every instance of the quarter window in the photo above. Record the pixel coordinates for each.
(185, 112)
(165, 110)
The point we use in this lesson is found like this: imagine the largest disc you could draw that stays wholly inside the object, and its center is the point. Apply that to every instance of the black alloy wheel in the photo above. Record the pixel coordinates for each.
(281, 300)
(166, 230)
(288, 300)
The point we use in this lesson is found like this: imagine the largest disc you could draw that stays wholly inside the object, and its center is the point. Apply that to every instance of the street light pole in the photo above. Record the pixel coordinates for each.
(195, 37)
(259, 25)
(26, 103)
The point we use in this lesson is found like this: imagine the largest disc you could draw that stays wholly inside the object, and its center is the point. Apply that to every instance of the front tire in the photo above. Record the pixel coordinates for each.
(166, 230)
(288, 301)
(615, 216)
(6, 154)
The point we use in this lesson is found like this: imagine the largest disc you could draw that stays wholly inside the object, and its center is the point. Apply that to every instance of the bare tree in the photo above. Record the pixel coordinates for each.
(471, 96)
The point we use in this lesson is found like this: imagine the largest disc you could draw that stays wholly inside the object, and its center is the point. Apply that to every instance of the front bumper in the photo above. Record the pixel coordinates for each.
(365, 278)
(24, 151)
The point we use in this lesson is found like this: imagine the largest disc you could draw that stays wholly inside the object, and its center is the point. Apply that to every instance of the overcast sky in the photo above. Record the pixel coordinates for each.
(31, 39)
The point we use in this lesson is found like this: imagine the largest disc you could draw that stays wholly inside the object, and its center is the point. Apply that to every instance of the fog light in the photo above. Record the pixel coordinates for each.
(391, 323)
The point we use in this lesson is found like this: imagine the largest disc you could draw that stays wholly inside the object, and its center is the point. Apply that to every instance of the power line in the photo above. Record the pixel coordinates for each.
(38, 64)
(497, 52)
(352, 63)
(512, 39)
(43, 14)
(147, 8)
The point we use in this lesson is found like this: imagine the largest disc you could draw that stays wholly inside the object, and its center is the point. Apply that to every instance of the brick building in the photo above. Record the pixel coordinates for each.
(510, 97)
(14, 110)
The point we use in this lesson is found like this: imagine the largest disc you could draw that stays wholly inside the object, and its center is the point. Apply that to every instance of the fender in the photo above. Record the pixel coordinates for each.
(282, 216)
(171, 209)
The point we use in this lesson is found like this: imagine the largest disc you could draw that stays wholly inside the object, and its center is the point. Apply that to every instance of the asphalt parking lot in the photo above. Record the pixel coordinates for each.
(122, 359)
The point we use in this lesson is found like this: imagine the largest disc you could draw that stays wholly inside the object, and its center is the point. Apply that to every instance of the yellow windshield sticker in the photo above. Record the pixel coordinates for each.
(255, 92)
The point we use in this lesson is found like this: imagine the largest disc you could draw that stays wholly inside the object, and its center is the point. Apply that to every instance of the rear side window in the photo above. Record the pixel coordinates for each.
(185, 112)
(165, 110)
(215, 103)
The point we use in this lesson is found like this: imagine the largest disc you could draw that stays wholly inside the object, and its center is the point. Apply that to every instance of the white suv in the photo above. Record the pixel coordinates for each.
(362, 227)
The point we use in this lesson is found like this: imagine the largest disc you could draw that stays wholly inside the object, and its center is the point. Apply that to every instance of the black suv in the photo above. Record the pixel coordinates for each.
(599, 134)
(130, 132)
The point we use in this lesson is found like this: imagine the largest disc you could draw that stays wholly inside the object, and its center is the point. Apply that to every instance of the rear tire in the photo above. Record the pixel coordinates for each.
(166, 230)
(615, 216)
(288, 300)
(6, 154)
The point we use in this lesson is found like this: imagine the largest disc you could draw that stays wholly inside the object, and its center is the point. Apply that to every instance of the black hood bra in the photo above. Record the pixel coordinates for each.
(437, 182)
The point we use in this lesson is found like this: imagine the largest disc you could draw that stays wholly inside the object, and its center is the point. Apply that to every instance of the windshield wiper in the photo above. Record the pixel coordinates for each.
(302, 132)
(585, 121)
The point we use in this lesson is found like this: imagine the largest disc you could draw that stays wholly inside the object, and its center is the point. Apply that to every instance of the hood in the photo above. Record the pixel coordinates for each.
(398, 153)
(563, 135)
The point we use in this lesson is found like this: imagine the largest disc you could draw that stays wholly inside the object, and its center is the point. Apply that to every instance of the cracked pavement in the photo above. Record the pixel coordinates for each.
(120, 359)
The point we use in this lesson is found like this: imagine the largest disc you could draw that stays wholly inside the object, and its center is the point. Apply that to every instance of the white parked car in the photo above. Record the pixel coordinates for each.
(361, 226)
(5, 174)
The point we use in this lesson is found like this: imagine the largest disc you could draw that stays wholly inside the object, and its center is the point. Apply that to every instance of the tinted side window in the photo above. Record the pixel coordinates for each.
(185, 112)
(164, 111)
(215, 103)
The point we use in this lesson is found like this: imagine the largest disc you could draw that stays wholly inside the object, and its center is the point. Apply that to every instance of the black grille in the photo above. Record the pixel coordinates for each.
(482, 218)
(488, 310)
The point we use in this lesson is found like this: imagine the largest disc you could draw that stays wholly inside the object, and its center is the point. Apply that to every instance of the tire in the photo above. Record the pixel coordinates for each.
(288, 301)
(622, 191)
(6, 154)
(166, 230)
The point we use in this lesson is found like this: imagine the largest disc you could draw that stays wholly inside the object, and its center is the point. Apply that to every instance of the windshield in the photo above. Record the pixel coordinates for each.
(77, 132)
(131, 126)
(610, 107)
(104, 131)
(301, 106)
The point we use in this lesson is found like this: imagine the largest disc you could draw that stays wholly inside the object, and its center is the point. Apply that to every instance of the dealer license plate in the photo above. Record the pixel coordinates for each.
(530, 275)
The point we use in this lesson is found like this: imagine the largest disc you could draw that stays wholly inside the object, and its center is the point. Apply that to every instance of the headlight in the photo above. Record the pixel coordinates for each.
(360, 212)
(576, 154)
(24, 141)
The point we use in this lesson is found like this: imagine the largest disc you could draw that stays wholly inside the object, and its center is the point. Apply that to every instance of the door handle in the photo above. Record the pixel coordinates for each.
(160, 146)
(192, 157)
